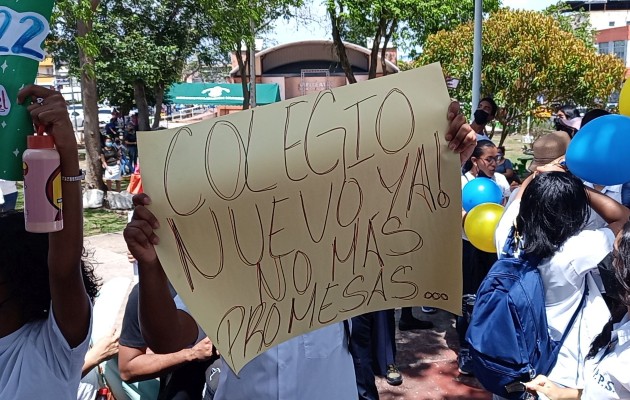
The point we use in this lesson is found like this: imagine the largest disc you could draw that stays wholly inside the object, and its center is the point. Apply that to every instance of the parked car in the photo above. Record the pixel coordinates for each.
(76, 115)
(104, 116)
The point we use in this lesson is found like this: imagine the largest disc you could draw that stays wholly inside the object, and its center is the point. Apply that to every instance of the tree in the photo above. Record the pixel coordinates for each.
(237, 23)
(145, 45)
(576, 22)
(528, 61)
(405, 22)
(75, 18)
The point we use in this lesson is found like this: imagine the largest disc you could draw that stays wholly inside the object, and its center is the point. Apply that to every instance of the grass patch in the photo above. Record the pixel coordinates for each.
(99, 220)
(95, 221)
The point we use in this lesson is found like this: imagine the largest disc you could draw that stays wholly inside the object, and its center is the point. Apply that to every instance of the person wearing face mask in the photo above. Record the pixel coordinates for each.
(568, 120)
(476, 263)
(110, 159)
(486, 111)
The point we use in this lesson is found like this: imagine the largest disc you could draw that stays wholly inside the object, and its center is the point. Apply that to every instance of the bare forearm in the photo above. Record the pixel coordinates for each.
(69, 298)
(559, 393)
(163, 327)
(149, 366)
(610, 210)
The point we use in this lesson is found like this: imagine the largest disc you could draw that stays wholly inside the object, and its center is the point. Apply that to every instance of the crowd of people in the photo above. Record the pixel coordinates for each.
(48, 286)
(119, 149)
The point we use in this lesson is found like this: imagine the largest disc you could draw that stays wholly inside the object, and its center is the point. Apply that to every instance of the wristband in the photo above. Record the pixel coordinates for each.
(77, 178)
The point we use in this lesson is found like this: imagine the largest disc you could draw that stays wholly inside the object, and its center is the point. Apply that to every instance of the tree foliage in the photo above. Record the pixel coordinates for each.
(524, 67)
(576, 22)
(406, 23)
(237, 24)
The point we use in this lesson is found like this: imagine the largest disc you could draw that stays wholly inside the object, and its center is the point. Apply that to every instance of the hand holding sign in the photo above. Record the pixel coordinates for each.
(279, 220)
(23, 29)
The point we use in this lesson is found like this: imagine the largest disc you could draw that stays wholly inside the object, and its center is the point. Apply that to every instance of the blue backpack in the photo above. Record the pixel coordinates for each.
(508, 334)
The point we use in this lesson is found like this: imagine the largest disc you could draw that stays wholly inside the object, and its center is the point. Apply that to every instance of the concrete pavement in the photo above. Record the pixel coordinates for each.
(426, 359)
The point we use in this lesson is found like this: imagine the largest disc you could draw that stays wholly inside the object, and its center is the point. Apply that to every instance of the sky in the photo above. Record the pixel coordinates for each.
(290, 31)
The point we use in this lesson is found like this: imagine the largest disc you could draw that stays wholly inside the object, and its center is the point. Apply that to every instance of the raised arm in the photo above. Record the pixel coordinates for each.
(71, 305)
(615, 214)
(141, 364)
(165, 328)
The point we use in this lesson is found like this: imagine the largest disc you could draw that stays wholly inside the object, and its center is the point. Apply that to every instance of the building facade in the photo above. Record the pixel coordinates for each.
(306, 67)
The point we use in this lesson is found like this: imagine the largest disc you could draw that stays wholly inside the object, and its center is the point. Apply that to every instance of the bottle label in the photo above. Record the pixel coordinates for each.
(42, 191)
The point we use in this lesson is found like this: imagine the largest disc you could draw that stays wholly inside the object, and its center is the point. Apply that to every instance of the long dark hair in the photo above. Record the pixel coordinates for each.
(621, 263)
(24, 266)
(554, 207)
(478, 152)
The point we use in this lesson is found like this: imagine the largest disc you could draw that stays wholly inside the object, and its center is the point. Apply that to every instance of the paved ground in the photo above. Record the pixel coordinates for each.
(426, 359)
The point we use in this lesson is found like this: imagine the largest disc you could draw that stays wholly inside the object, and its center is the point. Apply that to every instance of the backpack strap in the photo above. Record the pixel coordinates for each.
(575, 314)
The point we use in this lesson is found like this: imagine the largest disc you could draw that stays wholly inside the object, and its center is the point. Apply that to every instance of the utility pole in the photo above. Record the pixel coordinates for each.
(252, 66)
(476, 79)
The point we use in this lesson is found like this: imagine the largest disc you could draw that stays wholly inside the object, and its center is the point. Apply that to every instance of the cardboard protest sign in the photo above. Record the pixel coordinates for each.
(280, 220)
(23, 29)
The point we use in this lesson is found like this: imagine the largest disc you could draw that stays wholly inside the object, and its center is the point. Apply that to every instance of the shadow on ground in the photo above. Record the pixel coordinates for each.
(427, 360)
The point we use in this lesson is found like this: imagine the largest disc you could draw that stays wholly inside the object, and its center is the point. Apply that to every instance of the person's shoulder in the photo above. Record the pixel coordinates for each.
(502, 181)
(584, 250)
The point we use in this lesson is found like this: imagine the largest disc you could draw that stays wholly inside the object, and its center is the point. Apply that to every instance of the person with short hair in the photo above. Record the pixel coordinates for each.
(486, 112)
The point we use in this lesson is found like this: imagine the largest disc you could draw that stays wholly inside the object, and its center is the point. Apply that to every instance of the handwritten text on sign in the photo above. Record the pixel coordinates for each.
(280, 220)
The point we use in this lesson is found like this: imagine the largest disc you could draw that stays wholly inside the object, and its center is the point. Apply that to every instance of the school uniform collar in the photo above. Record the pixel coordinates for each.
(613, 188)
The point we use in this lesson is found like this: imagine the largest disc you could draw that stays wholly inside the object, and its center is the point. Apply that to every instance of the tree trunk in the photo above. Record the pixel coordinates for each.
(340, 47)
(387, 38)
(380, 29)
(91, 130)
(242, 70)
(143, 107)
(159, 100)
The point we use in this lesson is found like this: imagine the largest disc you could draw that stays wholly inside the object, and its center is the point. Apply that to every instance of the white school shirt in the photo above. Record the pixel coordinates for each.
(564, 275)
(313, 366)
(606, 374)
(37, 362)
(498, 178)
(595, 221)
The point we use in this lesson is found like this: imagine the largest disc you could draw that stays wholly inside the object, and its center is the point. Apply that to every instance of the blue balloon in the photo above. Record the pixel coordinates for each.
(599, 152)
(480, 190)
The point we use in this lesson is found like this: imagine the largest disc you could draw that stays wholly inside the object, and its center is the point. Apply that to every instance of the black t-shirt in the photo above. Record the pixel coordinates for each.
(131, 137)
(111, 156)
(130, 334)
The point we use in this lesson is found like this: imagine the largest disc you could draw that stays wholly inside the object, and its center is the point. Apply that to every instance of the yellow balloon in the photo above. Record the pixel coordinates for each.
(624, 99)
(480, 224)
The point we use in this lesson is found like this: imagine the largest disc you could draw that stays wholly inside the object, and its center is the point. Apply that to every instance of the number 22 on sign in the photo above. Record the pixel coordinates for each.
(22, 34)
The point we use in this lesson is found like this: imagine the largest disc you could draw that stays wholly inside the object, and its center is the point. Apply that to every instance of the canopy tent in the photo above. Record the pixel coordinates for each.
(221, 94)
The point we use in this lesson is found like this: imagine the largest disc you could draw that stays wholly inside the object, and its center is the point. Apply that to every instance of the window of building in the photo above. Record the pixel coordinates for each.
(604, 48)
(619, 48)
(611, 23)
